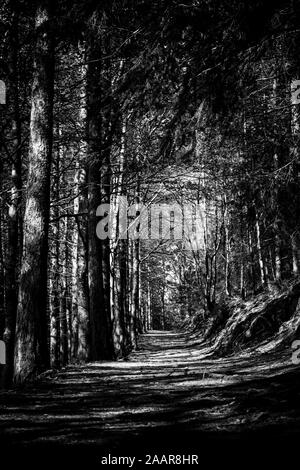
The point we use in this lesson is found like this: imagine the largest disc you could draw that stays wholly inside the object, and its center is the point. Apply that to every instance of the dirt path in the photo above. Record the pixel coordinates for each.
(169, 394)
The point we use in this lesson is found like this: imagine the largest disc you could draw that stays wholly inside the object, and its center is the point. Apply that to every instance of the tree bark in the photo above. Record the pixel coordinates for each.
(261, 263)
(116, 247)
(55, 253)
(31, 348)
(14, 219)
(226, 249)
(98, 160)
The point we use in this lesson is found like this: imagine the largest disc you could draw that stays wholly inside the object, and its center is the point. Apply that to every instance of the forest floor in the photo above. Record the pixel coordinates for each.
(168, 396)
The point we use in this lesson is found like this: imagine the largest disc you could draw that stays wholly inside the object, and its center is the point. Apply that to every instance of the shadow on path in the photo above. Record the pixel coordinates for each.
(169, 396)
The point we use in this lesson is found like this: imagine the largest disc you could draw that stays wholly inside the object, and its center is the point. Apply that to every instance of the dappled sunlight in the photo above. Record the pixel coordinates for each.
(158, 386)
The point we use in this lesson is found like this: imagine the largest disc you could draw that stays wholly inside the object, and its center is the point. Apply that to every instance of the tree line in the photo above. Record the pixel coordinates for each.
(158, 101)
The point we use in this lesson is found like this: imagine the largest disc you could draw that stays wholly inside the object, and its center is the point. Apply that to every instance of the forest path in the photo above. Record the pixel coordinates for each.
(170, 392)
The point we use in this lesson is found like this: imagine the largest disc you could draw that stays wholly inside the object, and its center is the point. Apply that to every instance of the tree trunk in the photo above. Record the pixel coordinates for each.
(277, 245)
(252, 258)
(98, 252)
(81, 327)
(82, 351)
(116, 248)
(14, 219)
(31, 349)
(294, 151)
(226, 249)
(149, 309)
(135, 275)
(74, 259)
(64, 299)
(55, 252)
(54, 298)
(2, 296)
(259, 251)
(294, 245)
